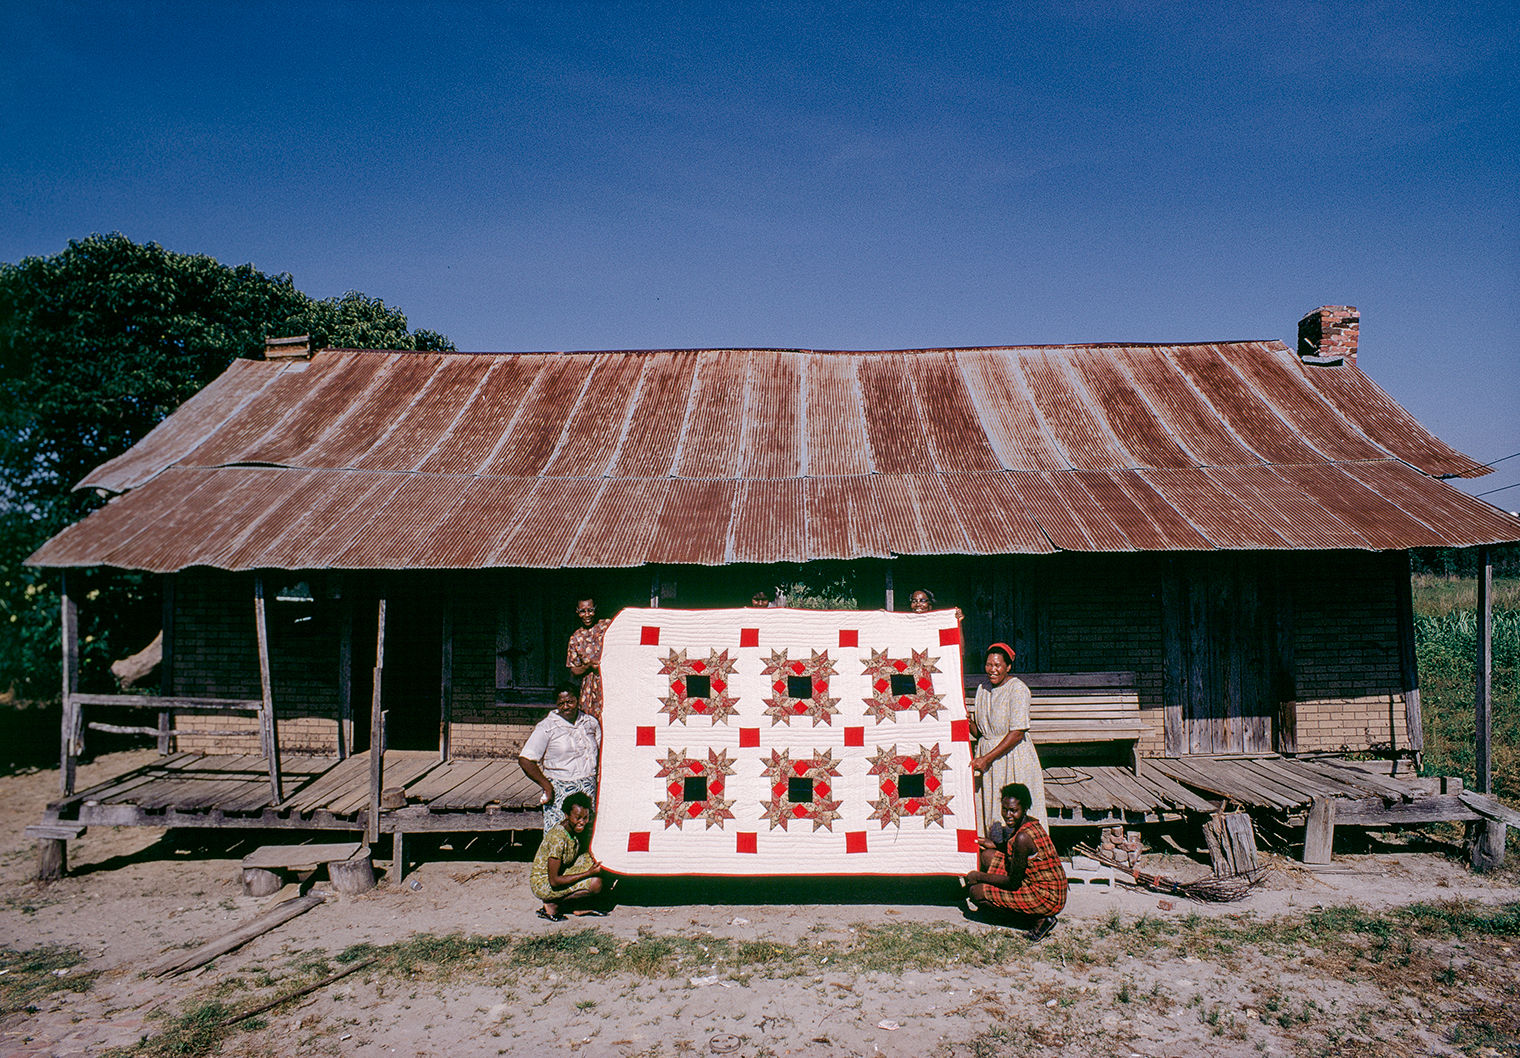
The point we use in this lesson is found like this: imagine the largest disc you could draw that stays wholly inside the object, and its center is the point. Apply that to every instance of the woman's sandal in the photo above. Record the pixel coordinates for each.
(548, 917)
(589, 912)
(1042, 928)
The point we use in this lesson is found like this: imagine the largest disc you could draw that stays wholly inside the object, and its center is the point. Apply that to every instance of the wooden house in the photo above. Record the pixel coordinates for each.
(346, 534)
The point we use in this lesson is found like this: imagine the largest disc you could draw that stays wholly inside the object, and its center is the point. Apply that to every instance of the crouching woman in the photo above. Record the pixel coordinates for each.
(1020, 868)
(564, 871)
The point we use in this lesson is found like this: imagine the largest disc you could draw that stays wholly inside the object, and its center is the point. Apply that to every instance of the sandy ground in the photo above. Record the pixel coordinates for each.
(134, 894)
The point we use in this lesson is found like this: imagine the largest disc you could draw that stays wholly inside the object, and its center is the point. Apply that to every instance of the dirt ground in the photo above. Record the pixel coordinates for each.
(1124, 974)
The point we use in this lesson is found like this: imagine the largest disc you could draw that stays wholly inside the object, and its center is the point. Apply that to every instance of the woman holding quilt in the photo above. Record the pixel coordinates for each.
(1000, 725)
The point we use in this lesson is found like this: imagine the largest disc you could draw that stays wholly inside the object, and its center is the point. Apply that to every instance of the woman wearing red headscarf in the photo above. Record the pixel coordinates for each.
(1004, 754)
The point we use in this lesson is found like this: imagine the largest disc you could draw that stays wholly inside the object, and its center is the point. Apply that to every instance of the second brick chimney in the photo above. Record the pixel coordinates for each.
(1328, 335)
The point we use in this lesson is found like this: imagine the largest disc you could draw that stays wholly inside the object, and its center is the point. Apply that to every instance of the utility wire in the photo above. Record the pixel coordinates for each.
(1506, 488)
(1501, 459)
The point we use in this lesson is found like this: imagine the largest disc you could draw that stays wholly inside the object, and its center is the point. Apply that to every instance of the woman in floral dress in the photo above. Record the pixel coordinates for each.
(584, 657)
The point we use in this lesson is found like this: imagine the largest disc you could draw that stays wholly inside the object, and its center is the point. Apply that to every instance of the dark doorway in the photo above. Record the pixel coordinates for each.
(1218, 620)
(412, 681)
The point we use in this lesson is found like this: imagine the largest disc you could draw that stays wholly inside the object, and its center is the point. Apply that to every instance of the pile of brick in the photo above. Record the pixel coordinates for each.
(1123, 847)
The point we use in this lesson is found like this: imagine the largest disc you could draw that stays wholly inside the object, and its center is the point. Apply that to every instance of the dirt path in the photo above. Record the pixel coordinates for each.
(1127, 972)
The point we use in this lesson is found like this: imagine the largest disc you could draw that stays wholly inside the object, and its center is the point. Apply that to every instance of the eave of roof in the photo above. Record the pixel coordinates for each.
(364, 459)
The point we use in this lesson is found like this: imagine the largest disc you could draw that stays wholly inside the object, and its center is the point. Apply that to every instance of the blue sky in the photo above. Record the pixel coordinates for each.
(833, 175)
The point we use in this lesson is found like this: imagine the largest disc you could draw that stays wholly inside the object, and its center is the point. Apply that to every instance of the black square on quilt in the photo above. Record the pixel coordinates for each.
(799, 686)
(698, 686)
(909, 786)
(799, 791)
(694, 788)
(903, 683)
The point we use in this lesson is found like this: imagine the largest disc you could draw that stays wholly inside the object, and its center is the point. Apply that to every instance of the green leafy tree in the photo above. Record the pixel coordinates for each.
(98, 343)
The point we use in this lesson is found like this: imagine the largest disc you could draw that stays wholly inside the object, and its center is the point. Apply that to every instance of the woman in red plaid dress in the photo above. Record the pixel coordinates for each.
(1020, 868)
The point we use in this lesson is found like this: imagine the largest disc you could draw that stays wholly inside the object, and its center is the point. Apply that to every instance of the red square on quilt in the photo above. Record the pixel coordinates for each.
(855, 841)
(638, 841)
(746, 841)
(649, 636)
(749, 637)
(854, 736)
(849, 637)
(643, 736)
(960, 731)
(749, 738)
(949, 637)
(965, 840)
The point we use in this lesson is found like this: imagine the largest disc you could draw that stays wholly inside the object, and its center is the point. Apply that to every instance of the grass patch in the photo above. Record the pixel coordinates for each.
(1446, 643)
(28, 977)
(1401, 950)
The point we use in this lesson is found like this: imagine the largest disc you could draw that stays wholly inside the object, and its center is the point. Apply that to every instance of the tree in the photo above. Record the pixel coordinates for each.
(98, 343)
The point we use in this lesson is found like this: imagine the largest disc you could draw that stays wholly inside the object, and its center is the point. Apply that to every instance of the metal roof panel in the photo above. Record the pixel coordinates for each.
(834, 433)
(1363, 402)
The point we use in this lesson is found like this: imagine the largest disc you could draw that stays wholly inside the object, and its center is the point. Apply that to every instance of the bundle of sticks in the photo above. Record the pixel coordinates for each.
(1208, 890)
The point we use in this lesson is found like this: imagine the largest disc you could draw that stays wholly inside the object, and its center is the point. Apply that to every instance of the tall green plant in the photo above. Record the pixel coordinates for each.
(97, 344)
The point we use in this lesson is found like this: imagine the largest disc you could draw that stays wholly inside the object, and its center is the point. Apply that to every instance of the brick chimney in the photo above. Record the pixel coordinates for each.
(1328, 335)
(299, 347)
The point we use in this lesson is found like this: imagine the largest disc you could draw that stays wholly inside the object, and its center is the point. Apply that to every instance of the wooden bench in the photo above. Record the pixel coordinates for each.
(1068, 707)
(348, 865)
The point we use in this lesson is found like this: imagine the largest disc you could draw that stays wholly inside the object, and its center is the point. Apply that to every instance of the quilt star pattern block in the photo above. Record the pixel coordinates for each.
(784, 742)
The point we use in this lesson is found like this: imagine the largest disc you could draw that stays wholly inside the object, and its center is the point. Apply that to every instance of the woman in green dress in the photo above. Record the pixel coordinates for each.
(564, 871)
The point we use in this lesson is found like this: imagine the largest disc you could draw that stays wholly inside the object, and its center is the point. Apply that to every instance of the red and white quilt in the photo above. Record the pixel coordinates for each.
(771, 742)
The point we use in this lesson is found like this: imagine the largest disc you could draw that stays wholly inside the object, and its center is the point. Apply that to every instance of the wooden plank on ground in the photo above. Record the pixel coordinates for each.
(291, 857)
(180, 961)
(1319, 831)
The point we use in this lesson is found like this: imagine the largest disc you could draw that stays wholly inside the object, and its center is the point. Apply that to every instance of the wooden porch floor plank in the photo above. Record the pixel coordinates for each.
(1172, 791)
(1317, 785)
(492, 785)
(189, 785)
(1345, 771)
(1285, 787)
(441, 780)
(314, 794)
(1112, 792)
(110, 790)
(475, 791)
(1248, 788)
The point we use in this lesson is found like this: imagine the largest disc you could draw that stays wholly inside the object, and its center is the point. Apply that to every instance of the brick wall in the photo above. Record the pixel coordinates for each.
(1348, 686)
(215, 655)
(1103, 614)
(1098, 613)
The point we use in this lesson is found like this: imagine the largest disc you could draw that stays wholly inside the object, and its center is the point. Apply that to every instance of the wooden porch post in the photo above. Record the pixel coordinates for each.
(891, 602)
(166, 667)
(1409, 669)
(446, 690)
(1174, 629)
(70, 726)
(268, 732)
(1485, 838)
(654, 589)
(1482, 702)
(346, 678)
(377, 729)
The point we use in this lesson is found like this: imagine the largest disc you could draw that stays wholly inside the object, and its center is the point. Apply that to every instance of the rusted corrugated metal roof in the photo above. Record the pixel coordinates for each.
(362, 459)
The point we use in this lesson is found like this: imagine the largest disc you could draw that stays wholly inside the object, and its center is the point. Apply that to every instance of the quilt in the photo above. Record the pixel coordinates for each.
(784, 742)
